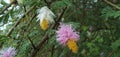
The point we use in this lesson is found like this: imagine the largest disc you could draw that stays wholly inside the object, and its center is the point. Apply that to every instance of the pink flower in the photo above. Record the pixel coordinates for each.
(10, 52)
(66, 32)
(91, 28)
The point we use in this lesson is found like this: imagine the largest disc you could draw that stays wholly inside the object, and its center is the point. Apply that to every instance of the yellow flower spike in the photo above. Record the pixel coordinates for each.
(72, 46)
(44, 24)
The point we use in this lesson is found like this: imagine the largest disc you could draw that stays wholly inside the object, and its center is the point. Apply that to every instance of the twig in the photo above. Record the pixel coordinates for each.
(45, 38)
(31, 19)
(28, 30)
(117, 7)
(49, 3)
(52, 50)
(31, 42)
(5, 8)
(83, 13)
(4, 15)
(19, 43)
(109, 55)
(46, 2)
(18, 21)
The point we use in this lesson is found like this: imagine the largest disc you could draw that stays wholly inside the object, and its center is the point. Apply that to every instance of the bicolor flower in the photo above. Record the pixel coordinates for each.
(45, 15)
(66, 35)
(10, 52)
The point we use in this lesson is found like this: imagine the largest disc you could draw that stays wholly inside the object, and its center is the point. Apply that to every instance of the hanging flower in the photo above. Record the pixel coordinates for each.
(45, 15)
(66, 35)
(10, 52)
(66, 32)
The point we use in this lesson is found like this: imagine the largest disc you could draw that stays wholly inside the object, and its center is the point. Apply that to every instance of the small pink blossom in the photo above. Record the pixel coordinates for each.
(91, 28)
(10, 52)
(66, 32)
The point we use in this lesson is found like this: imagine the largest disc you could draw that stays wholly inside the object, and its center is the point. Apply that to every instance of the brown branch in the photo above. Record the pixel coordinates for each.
(49, 3)
(46, 1)
(18, 21)
(117, 7)
(31, 42)
(5, 8)
(109, 55)
(4, 15)
(7, 13)
(19, 43)
(83, 14)
(34, 52)
(31, 19)
(45, 38)
(28, 30)
(52, 50)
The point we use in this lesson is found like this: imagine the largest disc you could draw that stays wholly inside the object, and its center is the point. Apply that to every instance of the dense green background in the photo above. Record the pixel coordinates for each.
(97, 22)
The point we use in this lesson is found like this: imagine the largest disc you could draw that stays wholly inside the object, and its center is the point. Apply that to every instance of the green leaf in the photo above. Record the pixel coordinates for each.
(115, 45)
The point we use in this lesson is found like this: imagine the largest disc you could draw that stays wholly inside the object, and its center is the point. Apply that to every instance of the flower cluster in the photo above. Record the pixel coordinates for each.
(45, 15)
(10, 52)
(66, 35)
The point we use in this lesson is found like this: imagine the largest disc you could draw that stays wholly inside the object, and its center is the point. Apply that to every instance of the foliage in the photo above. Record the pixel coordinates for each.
(100, 41)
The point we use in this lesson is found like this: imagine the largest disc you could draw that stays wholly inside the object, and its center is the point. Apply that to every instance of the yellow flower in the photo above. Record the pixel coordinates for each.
(44, 24)
(45, 15)
(72, 46)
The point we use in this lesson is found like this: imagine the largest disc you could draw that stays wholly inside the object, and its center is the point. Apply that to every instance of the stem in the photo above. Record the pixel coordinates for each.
(28, 30)
(117, 7)
(18, 21)
(31, 42)
(45, 38)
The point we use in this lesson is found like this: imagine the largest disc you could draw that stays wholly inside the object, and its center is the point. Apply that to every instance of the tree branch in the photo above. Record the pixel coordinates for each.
(31, 42)
(45, 38)
(5, 8)
(49, 3)
(18, 21)
(28, 30)
(83, 14)
(117, 7)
